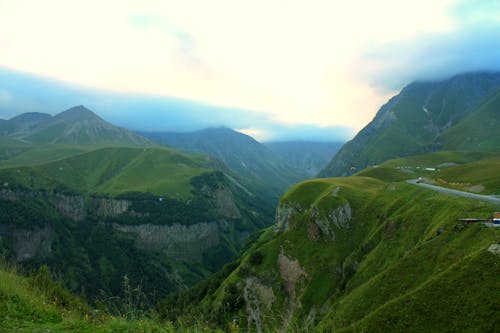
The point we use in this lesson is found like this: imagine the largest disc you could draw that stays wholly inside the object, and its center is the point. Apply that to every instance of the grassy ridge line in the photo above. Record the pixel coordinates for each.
(113, 171)
(401, 243)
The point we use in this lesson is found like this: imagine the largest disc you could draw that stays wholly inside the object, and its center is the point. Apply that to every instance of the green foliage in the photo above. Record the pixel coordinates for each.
(477, 176)
(399, 263)
(14, 156)
(256, 258)
(33, 304)
(91, 256)
(113, 171)
(466, 171)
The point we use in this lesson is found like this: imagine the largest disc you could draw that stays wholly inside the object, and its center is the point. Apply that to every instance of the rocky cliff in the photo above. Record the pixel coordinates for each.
(177, 241)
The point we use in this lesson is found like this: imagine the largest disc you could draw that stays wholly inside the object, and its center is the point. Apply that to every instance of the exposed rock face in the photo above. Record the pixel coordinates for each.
(291, 272)
(16, 195)
(338, 217)
(341, 216)
(224, 201)
(177, 241)
(495, 249)
(69, 206)
(31, 244)
(111, 207)
(255, 294)
(320, 226)
(285, 216)
(72, 206)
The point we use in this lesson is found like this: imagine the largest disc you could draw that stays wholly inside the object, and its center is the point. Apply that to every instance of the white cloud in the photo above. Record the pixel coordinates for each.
(296, 61)
(256, 133)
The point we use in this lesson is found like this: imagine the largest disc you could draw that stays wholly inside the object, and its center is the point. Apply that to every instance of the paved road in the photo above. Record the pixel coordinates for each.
(488, 198)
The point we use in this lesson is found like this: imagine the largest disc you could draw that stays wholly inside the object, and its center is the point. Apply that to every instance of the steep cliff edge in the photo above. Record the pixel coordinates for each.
(161, 242)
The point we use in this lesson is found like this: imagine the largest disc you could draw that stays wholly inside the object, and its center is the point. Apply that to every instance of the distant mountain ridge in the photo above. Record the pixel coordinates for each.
(76, 126)
(426, 117)
(310, 156)
(240, 152)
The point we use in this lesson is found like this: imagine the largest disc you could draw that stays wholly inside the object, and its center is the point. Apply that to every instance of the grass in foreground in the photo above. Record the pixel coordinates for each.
(38, 304)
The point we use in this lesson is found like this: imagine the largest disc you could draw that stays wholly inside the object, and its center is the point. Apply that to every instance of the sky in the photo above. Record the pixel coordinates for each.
(273, 69)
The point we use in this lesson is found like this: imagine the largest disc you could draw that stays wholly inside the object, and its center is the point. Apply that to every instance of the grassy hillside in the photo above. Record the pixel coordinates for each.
(15, 155)
(240, 153)
(467, 171)
(113, 171)
(455, 114)
(163, 218)
(479, 131)
(359, 254)
(478, 176)
(36, 303)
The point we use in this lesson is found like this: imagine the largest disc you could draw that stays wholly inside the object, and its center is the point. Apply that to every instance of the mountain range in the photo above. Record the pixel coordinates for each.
(239, 152)
(75, 126)
(92, 185)
(149, 234)
(372, 252)
(309, 156)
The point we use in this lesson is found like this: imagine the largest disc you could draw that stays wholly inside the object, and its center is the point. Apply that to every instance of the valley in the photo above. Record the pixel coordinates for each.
(107, 229)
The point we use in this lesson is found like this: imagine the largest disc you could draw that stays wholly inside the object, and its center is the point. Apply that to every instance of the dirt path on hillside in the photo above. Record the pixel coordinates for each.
(488, 198)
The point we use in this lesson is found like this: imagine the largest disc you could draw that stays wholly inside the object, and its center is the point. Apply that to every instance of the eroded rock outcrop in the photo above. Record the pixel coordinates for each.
(69, 206)
(32, 244)
(291, 272)
(286, 216)
(321, 226)
(111, 207)
(256, 294)
(224, 202)
(177, 241)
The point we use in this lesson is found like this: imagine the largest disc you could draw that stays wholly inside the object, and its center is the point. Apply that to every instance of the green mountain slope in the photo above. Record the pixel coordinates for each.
(309, 156)
(417, 121)
(23, 124)
(466, 171)
(239, 152)
(479, 130)
(360, 254)
(15, 155)
(36, 303)
(163, 218)
(75, 126)
(114, 171)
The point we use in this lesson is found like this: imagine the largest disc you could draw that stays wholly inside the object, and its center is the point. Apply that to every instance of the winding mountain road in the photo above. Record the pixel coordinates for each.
(488, 198)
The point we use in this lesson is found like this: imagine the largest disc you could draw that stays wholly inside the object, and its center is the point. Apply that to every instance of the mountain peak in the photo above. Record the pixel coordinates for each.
(78, 113)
